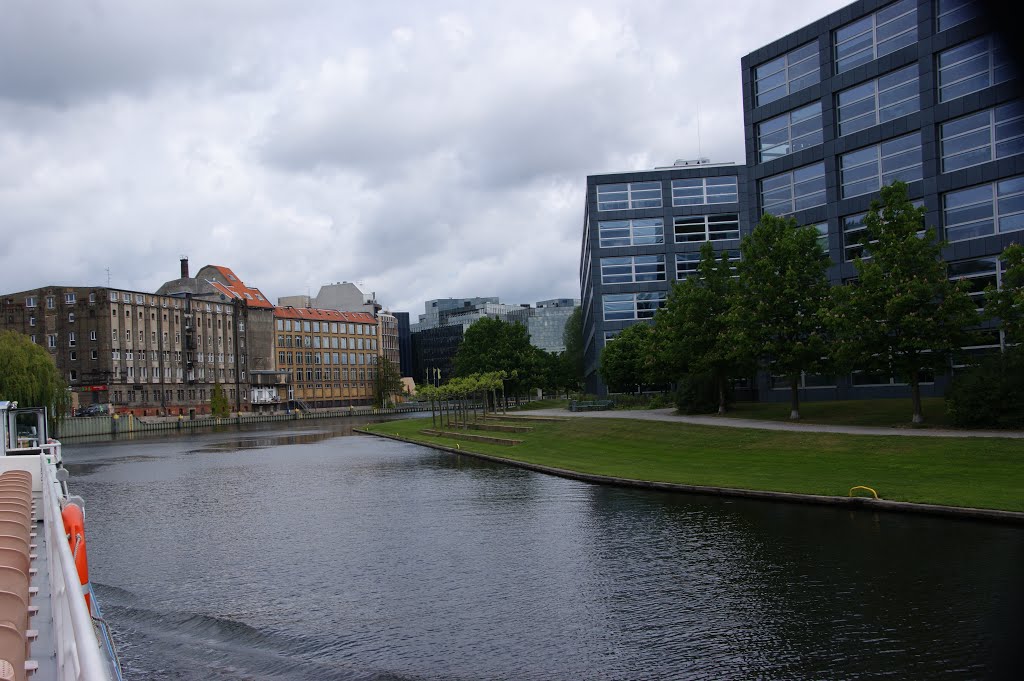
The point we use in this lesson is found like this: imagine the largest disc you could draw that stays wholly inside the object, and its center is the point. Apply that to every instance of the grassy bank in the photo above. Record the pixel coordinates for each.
(976, 472)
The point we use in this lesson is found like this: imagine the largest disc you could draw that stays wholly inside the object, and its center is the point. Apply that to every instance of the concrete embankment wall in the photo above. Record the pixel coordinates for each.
(108, 425)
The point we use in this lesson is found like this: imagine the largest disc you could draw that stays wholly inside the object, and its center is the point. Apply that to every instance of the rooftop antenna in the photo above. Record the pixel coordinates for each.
(108, 277)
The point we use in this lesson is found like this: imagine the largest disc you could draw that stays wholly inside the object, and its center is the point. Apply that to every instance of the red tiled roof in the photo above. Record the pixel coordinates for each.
(236, 288)
(313, 313)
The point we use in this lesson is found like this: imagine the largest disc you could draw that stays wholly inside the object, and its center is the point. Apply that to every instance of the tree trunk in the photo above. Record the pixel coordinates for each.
(794, 398)
(915, 397)
(433, 414)
(721, 395)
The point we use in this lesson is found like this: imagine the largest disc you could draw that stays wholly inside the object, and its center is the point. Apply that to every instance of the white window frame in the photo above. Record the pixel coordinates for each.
(1013, 112)
(998, 67)
(707, 194)
(872, 24)
(712, 227)
(629, 270)
(787, 63)
(877, 93)
(882, 175)
(630, 201)
(631, 227)
(792, 184)
(993, 200)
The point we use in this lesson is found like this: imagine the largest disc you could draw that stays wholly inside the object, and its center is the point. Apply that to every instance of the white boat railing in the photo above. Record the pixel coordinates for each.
(78, 650)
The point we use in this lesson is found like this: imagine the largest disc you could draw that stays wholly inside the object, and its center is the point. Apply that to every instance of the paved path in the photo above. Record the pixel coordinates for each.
(729, 422)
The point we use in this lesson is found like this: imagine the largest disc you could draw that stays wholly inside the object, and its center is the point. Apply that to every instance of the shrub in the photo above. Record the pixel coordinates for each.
(990, 394)
(698, 394)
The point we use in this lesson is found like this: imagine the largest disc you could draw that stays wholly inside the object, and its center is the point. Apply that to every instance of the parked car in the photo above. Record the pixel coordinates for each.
(92, 410)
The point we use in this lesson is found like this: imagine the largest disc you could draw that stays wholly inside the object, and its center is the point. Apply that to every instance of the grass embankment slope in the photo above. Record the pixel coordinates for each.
(973, 472)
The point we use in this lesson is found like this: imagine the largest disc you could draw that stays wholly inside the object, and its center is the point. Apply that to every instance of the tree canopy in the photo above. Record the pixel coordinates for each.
(783, 295)
(696, 332)
(29, 376)
(902, 317)
(572, 357)
(493, 345)
(1007, 303)
(388, 382)
(626, 361)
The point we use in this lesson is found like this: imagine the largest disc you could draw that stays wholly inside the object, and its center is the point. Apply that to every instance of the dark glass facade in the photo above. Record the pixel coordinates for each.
(642, 232)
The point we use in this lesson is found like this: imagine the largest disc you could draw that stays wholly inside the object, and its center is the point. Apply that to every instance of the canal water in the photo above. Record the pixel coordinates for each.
(302, 552)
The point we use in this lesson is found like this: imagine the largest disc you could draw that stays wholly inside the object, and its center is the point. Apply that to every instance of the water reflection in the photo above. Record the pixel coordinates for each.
(306, 555)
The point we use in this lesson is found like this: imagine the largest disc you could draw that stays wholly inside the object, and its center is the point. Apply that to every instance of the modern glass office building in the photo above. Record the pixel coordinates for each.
(923, 91)
(642, 231)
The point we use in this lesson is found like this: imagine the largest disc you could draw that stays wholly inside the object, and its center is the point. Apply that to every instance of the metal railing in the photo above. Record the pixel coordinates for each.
(78, 649)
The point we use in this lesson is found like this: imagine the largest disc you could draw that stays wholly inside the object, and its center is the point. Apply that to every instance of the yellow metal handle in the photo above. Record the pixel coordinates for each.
(873, 492)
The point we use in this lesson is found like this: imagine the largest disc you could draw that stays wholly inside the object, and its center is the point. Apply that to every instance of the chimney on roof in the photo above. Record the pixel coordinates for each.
(184, 267)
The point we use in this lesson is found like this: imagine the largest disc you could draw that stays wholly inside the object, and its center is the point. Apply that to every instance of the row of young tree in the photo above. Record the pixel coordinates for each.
(775, 311)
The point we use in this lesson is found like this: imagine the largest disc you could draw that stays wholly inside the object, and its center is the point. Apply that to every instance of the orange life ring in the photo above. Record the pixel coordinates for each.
(74, 527)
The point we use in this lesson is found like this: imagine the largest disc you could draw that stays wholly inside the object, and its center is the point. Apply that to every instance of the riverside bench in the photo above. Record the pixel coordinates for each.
(591, 405)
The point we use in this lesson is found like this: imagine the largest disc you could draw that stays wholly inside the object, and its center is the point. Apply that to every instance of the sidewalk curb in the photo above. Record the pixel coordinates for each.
(854, 503)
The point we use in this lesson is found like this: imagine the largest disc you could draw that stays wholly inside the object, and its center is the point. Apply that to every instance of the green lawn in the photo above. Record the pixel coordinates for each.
(978, 472)
(850, 412)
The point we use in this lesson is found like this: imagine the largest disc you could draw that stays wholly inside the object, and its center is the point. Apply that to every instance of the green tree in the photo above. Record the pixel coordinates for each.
(695, 334)
(494, 345)
(572, 358)
(902, 317)
(1007, 303)
(29, 376)
(783, 295)
(219, 406)
(626, 361)
(388, 382)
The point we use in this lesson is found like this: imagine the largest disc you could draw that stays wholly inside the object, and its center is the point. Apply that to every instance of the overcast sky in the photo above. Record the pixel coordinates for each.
(420, 149)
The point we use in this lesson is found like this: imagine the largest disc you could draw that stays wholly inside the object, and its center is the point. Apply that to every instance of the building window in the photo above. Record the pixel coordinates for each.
(31, 321)
(73, 356)
(629, 195)
(950, 13)
(629, 269)
(983, 136)
(30, 301)
(71, 317)
(687, 263)
(696, 191)
(642, 232)
(71, 339)
(94, 355)
(978, 274)
(882, 33)
(51, 302)
(69, 298)
(794, 190)
(866, 170)
(51, 340)
(983, 210)
(822, 236)
(626, 306)
(706, 227)
(971, 67)
(854, 234)
(92, 335)
(893, 95)
(74, 375)
(788, 133)
(789, 73)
